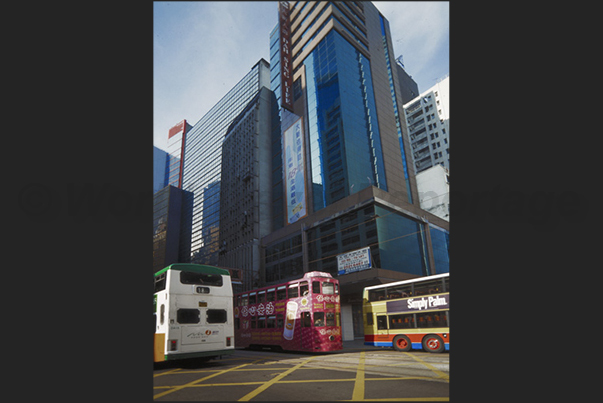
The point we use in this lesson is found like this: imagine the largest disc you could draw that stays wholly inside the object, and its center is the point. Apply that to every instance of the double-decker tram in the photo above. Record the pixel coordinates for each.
(410, 314)
(299, 315)
(193, 312)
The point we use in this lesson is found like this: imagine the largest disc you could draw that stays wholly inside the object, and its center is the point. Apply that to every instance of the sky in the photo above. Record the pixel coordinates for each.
(202, 49)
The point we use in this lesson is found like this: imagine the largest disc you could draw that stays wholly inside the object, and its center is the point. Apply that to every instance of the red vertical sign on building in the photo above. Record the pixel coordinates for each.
(285, 49)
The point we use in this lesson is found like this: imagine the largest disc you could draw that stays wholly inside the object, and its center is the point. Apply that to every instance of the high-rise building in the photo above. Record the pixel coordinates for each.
(246, 190)
(408, 86)
(434, 191)
(427, 117)
(342, 174)
(203, 160)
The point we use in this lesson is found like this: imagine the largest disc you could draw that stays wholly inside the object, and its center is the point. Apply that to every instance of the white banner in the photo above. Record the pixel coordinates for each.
(355, 260)
(295, 181)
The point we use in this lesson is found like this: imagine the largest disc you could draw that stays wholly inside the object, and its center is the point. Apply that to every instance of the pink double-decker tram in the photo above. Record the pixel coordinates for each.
(299, 315)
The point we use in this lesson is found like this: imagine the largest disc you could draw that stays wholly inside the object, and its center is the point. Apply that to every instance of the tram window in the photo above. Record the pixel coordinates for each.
(270, 295)
(244, 300)
(330, 319)
(303, 288)
(261, 297)
(262, 322)
(281, 293)
(293, 291)
(188, 277)
(319, 319)
(327, 288)
(188, 316)
(253, 324)
(252, 299)
(306, 321)
(336, 288)
(237, 323)
(280, 323)
(216, 316)
(315, 287)
(382, 322)
(271, 322)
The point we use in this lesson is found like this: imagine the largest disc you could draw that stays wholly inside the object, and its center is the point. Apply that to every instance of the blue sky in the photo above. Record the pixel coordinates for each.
(202, 49)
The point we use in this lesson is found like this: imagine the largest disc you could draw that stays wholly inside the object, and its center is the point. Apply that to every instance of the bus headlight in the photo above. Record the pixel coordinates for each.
(228, 342)
(173, 345)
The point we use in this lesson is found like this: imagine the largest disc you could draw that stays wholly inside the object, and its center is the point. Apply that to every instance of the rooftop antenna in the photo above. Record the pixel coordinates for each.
(400, 61)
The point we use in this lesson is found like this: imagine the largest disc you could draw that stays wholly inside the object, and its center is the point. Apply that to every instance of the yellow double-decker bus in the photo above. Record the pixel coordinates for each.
(409, 314)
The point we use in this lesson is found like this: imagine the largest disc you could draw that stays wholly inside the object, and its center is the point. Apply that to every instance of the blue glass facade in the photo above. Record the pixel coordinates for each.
(342, 122)
(402, 244)
(440, 244)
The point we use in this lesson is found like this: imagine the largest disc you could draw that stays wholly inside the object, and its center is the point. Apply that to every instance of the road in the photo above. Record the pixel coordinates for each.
(357, 373)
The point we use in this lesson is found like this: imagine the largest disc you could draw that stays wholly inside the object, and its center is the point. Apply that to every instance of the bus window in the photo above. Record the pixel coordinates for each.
(216, 316)
(426, 320)
(369, 318)
(382, 322)
(252, 298)
(270, 295)
(281, 293)
(401, 291)
(447, 284)
(327, 288)
(306, 321)
(303, 288)
(401, 321)
(188, 316)
(162, 314)
(160, 282)
(261, 297)
(330, 319)
(293, 291)
(428, 287)
(188, 277)
(315, 287)
(377, 295)
(319, 319)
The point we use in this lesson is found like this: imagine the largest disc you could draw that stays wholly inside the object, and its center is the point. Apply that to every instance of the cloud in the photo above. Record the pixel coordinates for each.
(420, 32)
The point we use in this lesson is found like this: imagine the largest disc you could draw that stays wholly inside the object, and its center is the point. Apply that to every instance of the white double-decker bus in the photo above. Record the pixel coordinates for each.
(193, 312)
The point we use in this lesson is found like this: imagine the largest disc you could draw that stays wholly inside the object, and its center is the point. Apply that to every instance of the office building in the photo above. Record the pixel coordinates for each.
(434, 191)
(342, 174)
(246, 190)
(203, 160)
(171, 227)
(427, 117)
(161, 161)
(409, 89)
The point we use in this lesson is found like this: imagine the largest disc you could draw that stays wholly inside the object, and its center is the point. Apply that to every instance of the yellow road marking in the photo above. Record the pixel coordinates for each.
(165, 373)
(266, 385)
(358, 393)
(197, 381)
(431, 367)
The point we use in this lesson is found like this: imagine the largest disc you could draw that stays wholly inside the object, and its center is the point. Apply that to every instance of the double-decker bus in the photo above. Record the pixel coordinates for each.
(193, 312)
(410, 314)
(299, 315)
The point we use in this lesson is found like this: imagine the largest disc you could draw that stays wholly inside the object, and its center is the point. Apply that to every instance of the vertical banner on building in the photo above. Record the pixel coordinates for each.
(285, 50)
(295, 178)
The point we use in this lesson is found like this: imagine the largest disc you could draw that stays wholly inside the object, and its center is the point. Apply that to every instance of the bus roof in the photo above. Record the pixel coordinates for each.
(413, 280)
(195, 268)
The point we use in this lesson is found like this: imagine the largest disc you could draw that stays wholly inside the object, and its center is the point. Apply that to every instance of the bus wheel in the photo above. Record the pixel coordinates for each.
(433, 343)
(402, 343)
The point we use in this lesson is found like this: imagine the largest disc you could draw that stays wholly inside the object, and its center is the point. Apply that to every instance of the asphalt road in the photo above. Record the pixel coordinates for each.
(356, 373)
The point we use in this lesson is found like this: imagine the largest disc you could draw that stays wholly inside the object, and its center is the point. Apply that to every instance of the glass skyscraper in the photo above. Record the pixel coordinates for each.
(203, 161)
